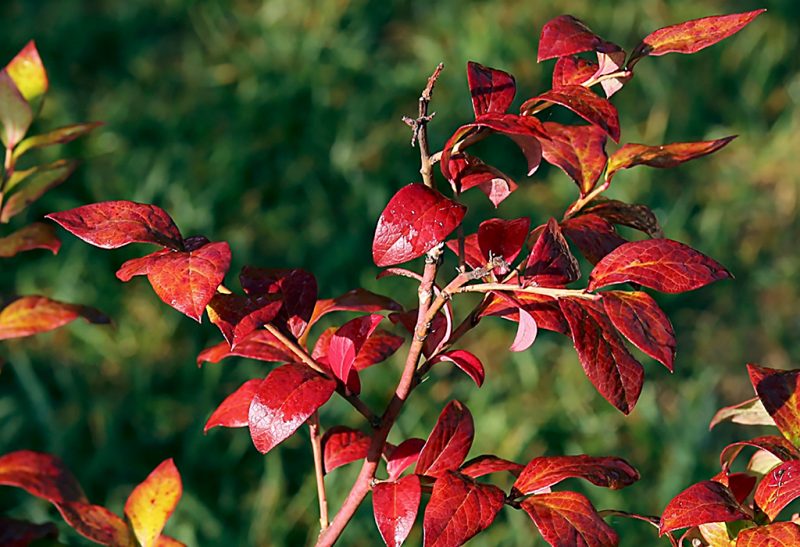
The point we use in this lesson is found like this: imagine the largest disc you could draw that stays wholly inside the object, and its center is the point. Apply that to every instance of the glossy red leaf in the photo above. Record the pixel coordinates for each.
(661, 264)
(414, 221)
(593, 235)
(749, 412)
(639, 319)
(33, 236)
(779, 390)
(487, 464)
(775, 445)
(578, 150)
(585, 103)
(779, 534)
(459, 509)
(572, 70)
(640, 217)
(152, 502)
(502, 238)
(297, 289)
(284, 401)
(567, 35)
(473, 257)
(551, 263)
(29, 75)
(449, 442)
(18, 533)
(360, 300)
(492, 90)
(664, 156)
(706, 501)
(466, 361)
(234, 410)
(547, 471)
(29, 315)
(260, 345)
(606, 361)
(544, 309)
(526, 332)
(347, 341)
(112, 224)
(43, 475)
(567, 519)
(395, 506)
(25, 187)
(403, 456)
(778, 488)
(96, 523)
(342, 445)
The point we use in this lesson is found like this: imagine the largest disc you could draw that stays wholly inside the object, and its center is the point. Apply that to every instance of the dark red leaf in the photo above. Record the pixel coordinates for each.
(297, 289)
(749, 412)
(492, 90)
(572, 70)
(414, 221)
(468, 172)
(342, 445)
(29, 315)
(403, 456)
(527, 329)
(360, 300)
(594, 236)
(567, 519)
(235, 409)
(551, 263)
(779, 390)
(395, 505)
(578, 150)
(639, 319)
(546, 471)
(466, 361)
(531, 148)
(584, 103)
(701, 503)
(544, 309)
(779, 534)
(284, 401)
(237, 316)
(33, 236)
(740, 484)
(260, 345)
(777, 446)
(43, 475)
(473, 257)
(640, 217)
(661, 264)
(487, 464)
(18, 533)
(96, 523)
(606, 361)
(567, 35)
(378, 347)
(459, 508)
(112, 224)
(449, 442)
(347, 341)
(503, 239)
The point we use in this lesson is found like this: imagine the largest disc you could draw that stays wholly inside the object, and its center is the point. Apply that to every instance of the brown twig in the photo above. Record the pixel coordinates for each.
(319, 469)
(419, 132)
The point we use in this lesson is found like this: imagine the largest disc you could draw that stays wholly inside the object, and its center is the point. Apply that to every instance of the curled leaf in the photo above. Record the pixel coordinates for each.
(526, 332)
(466, 361)
(30, 315)
(547, 471)
(749, 412)
(779, 390)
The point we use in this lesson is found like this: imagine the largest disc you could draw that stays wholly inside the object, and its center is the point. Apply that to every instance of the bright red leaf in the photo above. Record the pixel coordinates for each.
(639, 319)
(775, 445)
(567, 519)
(152, 502)
(360, 300)
(260, 345)
(578, 150)
(466, 361)
(546, 471)
(544, 309)
(585, 103)
(449, 442)
(780, 392)
(551, 263)
(342, 445)
(473, 257)
(706, 501)
(567, 35)
(234, 410)
(237, 316)
(33, 236)
(779, 534)
(593, 235)
(42, 475)
(395, 505)
(502, 238)
(347, 341)
(492, 90)
(29, 315)
(779, 488)
(403, 456)
(468, 172)
(487, 464)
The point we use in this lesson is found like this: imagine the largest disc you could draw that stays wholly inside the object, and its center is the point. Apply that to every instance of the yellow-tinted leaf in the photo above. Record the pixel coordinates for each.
(152, 502)
(34, 314)
(28, 73)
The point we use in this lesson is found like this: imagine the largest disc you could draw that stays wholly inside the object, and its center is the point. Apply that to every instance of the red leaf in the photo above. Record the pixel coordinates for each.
(234, 410)
(780, 534)
(42, 475)
(298, 291)
(639, 319)
(484, 465)
(661, 264)
(360, 300)
(468, 172)
(112, 224)
(593, 235)
(395, 505)
(377, 348)
(526, 332)
(544, 309)
(347, 341)
(29, 76)
(779, 488)
(550, 262)
(18, 533)
(606, 361)
(96, 523)
(283, 402)
(473, 257)
(152, 502)
(342, 445)
(694, 35)
(449, 442)
(492, 90)
(466, 361)
(33, 236)
(567, 35)
(546, 471)
(664, 156)
(29, 315)
(512, 124)
(780, 392)
(578, 150)
(777, 446)
(740, 484)
(584, 103)
(572, 70)
(459, 509)
(567, 519)
(640, 217)
(706, 501)
(260, 345)
(502, 238)
(414, 221)
(237, 316)
(403, 456)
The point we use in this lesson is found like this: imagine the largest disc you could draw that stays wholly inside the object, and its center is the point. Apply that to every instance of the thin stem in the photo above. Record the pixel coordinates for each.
(580, 203)
(319, 469)
(546, 291)
(8, 170)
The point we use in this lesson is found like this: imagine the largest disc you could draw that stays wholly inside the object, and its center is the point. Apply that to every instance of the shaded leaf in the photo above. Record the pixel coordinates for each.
(403, 456)
(749, 412)
(706, 501)
(487, 464)
(473, 257)
(578, 150)
(395, 506)
(526, 332)
(377, 348)
(544, 309)
(780, 392)
(567, 35)
(152, 502)
(96, 523)
(36, 182)
(437, 332)
(593, 235)
(449, 442)
(547, 471)
(466, 361)
(29, 76)
(15, 113)
(584, 103)
(30, 315)
(470, 172)
(238, 316)
(740, 484)
(235, 409)
(779, 534)
(567, 519)
(260, 345)
(360, 300)
(777, 446)
(18, 533)
(298, 291)
(639, 319)
(347, 341)
(33, 236)
(551, 263)
(43, 475)
(492, 90)
(640, 217)
(342, 445)
(61, 135)
(572, 70)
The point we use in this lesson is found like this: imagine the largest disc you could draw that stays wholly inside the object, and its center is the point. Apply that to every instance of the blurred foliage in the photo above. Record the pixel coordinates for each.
(276, 126)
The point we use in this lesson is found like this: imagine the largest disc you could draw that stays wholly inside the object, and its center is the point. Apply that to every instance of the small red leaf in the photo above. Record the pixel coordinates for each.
(395, 505)
(503, 239)
(775, 445)
(578, 150)
(661, 264)
(584, 103)
(152, 502)
(112, 224)
(237, 316)
(378, 347)
(640, 217)
(459, 509)
(779, 390)
(346, 342)
(492, 90)
(414, 221)
(360, 300)
(449, 442)
(234, 410)
(260, 345)
(96, 523)
(546, 471)
(42, 475)
(468, 172)
(29, 315)
(297, 289)
(593, 235)
(779, 488)
(283, 402)
(487, 464)
(567, 519)
(466, 361)
(639, 319)
(551, 263)
(526, 331)
(403, 456)
(572, 70)
(779, 534)
(706, 501)
(544, 309)
(473, 257)
(33, 236)
(567, 35)
(342, 445)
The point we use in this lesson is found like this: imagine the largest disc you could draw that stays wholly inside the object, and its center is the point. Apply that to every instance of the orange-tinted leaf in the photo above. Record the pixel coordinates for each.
(112, 224)
(152, 502)
(466, 361)
(347, 341)
(492, 90)
(403, 456)
(42, 475)
(503, 239)
(664, 156)
(96, 523)
(567, 35)
(706, 501)
(61, 135)
(593, 235)
(779, 534)
(395, 505)
(28, 73)
(15, 112)
(640, 217)
(36, 182)
(30, 315)
(661, 264)
(780, 392)
(283, 402)
(546, 471)
(572, 70)
(166, 541)
(449, 442)
(566, 519)
(779, 488)
(544, 309)
(459, 508)
(775, 445)
(639, 319)
(234, 410)
(18, 533)
(551, 263)
(584, 103)
(606, 361)
(749, 412)
(360, 300)
(33, 236)
(342, 445)
(578, 150)
(487, 464)
(260, 345)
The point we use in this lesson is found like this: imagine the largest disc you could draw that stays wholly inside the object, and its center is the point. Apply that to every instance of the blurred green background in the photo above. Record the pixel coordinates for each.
(275, 125)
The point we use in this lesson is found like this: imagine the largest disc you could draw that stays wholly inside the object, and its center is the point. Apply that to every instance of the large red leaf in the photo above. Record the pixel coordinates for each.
(585, 103)
(112, 224)
(414, 221)
(567, 35)
(606, 361)
(661, 264)
(492, 90)
(33, 236)
(775, 445)
(779, 390)
(360, 300)
(234, 410)
(637, 216)
(706, 501)
(466, 361)
(152, 502)
(502, 238)
(347, 341)
(639, 319)
(779, 534)
(551, 263)
(593, 235)
(666, 155)
(395, 505)
(779, 488)
(487, 464)
(459, 508)
(96, 523)
(578, 150)
(546, 471)
(449, 442)
(284, 401)
(543, 309)
(260, 345)
(18, 533)
(572, 70)
(30, 315)
(297, 289)
(567, 519)
(342, 445)
(42, 475)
